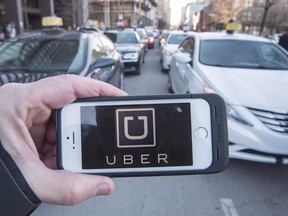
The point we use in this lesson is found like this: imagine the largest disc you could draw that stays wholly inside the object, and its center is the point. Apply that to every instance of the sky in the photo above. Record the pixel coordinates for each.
(176, 8)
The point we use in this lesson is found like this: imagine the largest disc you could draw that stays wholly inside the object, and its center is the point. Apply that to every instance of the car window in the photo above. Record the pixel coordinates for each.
(272, 54)
(9, 51)
(183, 45)
(242, 54)
(41, 54)
(150, 34)
(176, 38)
(126, 37)
(190, 47)
(108, 45)
(187, 46)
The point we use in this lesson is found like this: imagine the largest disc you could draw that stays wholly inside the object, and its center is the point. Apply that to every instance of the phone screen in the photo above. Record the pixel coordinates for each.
(132, 136)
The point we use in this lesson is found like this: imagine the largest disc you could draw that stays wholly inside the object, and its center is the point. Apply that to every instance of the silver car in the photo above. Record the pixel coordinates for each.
(251, 74)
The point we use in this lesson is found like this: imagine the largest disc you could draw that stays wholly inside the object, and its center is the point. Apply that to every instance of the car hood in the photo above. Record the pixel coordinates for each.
(264, 89)
(127, 47)
(24, 77)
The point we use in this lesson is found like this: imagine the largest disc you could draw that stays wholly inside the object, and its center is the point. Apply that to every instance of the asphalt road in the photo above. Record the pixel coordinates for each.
(244, 188)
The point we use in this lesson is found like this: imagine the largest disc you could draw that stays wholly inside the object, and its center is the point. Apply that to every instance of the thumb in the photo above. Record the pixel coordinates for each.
(66, 188)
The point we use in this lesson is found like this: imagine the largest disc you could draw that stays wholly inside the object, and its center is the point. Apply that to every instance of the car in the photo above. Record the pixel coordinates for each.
(54, 51)
(169, 46)
(251, 74)
(143, 37)
(128, 43)
(150, 39)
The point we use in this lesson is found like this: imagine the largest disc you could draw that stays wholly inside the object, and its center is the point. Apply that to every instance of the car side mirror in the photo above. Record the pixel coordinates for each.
(103, 63)
(183, 57)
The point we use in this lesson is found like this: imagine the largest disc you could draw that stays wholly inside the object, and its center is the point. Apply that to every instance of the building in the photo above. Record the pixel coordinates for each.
(164, 12)
(26, 15)
(125, 12)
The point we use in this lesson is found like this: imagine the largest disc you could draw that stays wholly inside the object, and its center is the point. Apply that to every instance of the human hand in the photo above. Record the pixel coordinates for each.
(28, 133)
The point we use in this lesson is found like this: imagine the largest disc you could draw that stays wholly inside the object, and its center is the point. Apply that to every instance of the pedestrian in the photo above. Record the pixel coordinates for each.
(28, 169)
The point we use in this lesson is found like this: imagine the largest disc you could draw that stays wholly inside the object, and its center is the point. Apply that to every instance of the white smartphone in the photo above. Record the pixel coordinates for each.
(143, 135)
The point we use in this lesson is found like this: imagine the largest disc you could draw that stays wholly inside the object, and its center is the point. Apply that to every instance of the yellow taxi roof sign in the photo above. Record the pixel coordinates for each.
(233, 26)
(52, 21)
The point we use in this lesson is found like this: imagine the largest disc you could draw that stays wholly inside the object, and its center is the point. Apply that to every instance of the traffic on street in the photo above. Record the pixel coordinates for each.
(236, 51)
(243, 188)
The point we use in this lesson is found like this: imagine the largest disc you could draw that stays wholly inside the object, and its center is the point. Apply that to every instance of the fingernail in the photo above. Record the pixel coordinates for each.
(102, 189)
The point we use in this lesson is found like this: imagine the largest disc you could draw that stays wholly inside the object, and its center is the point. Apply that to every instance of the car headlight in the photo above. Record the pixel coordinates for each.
(131, 56)
(233, 114)
(231, 111)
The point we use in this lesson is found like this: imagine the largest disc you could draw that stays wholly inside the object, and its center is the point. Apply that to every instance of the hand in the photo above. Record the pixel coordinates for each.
(28, 133)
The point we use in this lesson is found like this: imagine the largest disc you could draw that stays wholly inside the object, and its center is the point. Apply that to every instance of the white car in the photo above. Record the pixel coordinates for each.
(251, 74)
(169, 47)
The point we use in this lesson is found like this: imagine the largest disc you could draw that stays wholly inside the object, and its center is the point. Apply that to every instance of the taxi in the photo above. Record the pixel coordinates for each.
(54, 51)
(251, 74)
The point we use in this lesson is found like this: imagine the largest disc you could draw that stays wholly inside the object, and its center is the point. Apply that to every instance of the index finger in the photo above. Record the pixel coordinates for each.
(60, 90)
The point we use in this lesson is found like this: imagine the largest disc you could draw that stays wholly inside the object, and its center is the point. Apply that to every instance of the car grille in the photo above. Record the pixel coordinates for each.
(276, 121)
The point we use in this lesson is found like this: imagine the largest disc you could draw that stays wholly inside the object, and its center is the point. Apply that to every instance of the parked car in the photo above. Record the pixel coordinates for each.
(169, 46)
(35, 55)
(150, 39)
(132, 51)
(251, 74)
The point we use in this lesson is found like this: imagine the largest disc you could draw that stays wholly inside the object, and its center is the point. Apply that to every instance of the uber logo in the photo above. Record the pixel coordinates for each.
(135, 128)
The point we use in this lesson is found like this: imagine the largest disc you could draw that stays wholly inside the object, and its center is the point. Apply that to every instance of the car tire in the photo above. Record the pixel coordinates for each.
(164, 70)
(170, 89)
(138, 70)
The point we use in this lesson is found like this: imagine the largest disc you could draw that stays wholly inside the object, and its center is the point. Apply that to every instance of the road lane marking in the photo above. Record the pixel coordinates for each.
(228, 207)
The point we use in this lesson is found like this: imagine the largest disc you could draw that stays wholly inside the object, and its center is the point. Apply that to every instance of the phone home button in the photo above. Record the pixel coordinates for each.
(201, 133)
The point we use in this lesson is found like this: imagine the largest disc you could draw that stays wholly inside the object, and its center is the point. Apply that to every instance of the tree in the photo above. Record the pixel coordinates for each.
(278, 16)
(222, 10)
(267, 6)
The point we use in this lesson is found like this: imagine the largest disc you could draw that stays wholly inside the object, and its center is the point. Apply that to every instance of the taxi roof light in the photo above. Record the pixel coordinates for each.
(233, 26)
(52, 21)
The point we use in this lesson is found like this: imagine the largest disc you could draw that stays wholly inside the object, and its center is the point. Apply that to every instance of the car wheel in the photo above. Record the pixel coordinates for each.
(170, 89)
(138, 70)
(164, 70)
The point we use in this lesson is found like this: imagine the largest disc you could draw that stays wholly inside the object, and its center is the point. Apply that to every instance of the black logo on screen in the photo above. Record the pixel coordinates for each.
(136, 128)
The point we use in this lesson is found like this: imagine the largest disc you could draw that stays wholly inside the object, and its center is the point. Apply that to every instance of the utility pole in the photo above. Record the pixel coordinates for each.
(267, 6)
(107, 13)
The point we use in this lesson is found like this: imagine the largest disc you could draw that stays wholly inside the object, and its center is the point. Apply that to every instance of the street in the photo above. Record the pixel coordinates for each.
(244, 188)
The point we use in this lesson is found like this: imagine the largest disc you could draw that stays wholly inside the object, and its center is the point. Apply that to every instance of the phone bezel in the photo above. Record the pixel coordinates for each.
(71, 153)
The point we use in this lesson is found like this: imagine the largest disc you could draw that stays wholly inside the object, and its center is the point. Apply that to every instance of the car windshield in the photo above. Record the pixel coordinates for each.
(126, 37)
(150, 34)
(176, 38)
(42, 55)
(242, 54)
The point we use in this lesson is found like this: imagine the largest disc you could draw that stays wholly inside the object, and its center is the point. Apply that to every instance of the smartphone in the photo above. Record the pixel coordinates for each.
(143, 135)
